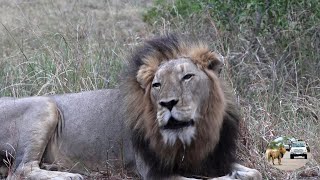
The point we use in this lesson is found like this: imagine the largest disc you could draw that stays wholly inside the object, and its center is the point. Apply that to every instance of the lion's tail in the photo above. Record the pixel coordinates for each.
(60, 123)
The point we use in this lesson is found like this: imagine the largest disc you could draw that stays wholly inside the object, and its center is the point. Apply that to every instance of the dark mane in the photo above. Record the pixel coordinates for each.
(135, 91)
(218, 162)
(163, 47)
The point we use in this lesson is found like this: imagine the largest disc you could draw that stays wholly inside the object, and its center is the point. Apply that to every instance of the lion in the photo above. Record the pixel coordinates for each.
(171, 118)
(272, 154)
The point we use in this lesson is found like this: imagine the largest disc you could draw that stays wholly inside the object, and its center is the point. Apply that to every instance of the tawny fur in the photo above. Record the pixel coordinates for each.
(272, 154)
(142, 112)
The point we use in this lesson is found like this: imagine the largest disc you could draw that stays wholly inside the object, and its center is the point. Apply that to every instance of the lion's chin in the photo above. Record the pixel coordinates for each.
(185, 132)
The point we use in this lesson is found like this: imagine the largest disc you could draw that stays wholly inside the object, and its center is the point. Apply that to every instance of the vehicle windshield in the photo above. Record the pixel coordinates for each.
(299, 144)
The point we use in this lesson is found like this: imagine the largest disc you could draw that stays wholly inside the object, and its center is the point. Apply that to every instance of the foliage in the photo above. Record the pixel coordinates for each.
(261, 15)
(275, 145)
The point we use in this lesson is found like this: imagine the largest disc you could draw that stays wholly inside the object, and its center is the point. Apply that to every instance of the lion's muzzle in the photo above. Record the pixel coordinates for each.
(174, 124)
(169, 104)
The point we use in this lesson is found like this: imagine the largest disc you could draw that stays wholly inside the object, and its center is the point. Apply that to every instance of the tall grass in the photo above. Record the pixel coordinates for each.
(272, 56)
(272, 62)
(60, 47)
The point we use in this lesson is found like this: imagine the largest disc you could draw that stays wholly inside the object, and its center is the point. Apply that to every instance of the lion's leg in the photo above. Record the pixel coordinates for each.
(37, 125)
(32, 171)
(244, 173)
(239, 172)
(272, 157)
(279, 159)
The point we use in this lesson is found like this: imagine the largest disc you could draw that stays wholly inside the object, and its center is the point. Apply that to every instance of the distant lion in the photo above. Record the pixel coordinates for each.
(181, 122)
(272, 154)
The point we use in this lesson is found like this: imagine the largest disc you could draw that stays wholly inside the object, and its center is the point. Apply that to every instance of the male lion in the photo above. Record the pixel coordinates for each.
(182, 122)
(272, 154)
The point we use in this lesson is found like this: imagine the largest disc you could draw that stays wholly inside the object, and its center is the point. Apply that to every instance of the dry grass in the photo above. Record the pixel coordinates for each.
(49, 47)
(65, 46)
(275, 76)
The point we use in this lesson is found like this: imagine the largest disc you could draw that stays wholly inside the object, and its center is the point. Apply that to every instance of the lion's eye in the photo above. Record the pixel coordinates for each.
(156, 85)
(187, 76)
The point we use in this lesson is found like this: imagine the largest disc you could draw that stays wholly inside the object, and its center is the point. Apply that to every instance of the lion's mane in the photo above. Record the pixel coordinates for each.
(213, 150)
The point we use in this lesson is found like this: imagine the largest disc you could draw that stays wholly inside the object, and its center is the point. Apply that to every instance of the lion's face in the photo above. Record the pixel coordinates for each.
(177, 108)
(179, 90)
(282, 151)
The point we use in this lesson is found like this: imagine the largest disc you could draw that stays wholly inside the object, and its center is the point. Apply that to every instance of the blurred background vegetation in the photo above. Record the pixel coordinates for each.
(271, 50)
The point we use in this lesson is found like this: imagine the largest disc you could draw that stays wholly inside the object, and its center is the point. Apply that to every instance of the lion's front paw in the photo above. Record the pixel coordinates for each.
(53, 175)
(244, 173)
(248, 175)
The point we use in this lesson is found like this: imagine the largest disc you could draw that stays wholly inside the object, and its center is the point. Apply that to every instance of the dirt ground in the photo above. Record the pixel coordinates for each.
(291, 164)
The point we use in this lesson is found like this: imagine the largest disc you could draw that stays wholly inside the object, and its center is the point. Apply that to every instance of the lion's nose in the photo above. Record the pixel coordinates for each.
(169, 104)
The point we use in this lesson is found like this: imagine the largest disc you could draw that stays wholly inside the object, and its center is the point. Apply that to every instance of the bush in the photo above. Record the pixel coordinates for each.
(261, 16)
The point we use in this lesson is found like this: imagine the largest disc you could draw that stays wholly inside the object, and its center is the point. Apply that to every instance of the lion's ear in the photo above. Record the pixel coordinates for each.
(145, 75)
(204, 58)
(215, 63)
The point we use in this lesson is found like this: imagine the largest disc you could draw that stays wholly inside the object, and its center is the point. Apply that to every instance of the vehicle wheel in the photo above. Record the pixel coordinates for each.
(305, 156)
(291, 156)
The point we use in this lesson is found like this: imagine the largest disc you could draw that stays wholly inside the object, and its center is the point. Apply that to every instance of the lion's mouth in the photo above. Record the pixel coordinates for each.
(175, 124)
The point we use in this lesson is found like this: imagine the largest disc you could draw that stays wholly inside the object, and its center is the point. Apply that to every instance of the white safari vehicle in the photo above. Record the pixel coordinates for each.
(298, 148)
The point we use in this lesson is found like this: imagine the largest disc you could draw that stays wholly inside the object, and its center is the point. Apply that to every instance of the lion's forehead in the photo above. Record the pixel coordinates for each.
(175, 66)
